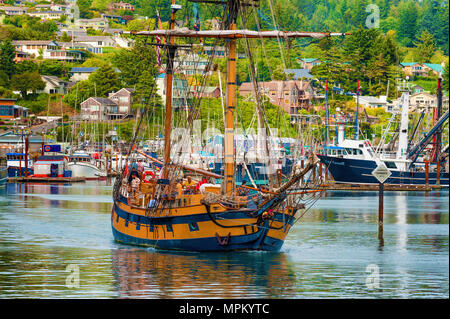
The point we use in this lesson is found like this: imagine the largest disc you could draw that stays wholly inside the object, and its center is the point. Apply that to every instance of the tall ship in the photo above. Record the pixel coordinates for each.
(352, 161)
(216, 216)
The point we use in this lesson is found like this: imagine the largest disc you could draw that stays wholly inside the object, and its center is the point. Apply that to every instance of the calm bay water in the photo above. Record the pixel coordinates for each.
(48, 232)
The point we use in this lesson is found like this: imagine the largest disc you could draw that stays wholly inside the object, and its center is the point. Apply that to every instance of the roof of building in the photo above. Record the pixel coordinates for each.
(54, 80)
(103, 100)
(94, 38)
(309, 59)
(83, 69)
(34, 42)
(436, 67)
(371, 99)
(299, 73)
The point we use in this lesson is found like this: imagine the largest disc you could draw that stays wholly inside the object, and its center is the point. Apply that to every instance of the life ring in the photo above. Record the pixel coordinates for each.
(145, 175)
(47, 148)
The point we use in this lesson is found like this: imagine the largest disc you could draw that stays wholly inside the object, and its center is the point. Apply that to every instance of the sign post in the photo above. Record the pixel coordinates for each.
(381, 173)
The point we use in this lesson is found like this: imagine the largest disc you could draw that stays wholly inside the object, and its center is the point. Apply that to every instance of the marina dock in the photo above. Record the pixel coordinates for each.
(387, 187)
(46, 179)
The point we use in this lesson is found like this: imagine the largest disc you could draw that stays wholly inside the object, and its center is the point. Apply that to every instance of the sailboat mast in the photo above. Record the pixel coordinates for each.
(233, 7)
(169, 80)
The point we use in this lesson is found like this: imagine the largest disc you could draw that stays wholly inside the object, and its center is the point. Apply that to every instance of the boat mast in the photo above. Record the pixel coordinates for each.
(233, 9)
(169, 80)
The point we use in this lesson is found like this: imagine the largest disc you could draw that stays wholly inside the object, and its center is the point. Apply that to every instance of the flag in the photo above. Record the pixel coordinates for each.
(357, 87)
(197, 23)
(197, 18)
(158, 39)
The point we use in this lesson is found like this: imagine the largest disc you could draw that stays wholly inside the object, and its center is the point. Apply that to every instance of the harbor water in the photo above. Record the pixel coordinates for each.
(56, 242)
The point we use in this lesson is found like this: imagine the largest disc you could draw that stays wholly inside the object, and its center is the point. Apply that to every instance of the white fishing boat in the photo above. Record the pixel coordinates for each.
(83, 165)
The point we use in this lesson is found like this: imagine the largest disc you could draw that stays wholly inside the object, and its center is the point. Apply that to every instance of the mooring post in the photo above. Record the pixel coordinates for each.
(427, 172)
(380, 211)
(438, 172)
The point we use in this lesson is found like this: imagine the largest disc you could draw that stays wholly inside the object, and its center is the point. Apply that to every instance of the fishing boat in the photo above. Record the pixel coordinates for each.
(83, 165)
(219, 218)
(352, 161)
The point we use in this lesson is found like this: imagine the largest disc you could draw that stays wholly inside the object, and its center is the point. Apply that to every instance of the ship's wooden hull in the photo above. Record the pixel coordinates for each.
(199, 228)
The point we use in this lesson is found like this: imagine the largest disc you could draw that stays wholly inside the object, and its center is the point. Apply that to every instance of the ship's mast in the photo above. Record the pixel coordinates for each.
(169, 86)
(233, 8)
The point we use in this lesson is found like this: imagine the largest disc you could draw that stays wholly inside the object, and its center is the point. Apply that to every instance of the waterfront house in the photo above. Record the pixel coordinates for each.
(124, 99)
(9, 110)
(421, 69)
(116, 106)
(291, 96)
(81, 73)
(98, 109)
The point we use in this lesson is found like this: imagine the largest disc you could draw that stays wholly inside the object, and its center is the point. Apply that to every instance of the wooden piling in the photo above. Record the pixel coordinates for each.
(380, 212)
(438, 172)
(427, 172)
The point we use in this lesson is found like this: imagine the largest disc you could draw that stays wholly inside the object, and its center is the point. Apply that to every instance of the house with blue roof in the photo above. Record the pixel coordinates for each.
(421, 69)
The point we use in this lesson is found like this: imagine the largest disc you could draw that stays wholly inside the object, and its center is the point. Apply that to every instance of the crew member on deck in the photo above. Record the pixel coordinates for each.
(189, 185)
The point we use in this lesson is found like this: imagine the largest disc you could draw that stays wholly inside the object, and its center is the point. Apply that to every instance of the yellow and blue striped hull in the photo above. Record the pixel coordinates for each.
(194, 228)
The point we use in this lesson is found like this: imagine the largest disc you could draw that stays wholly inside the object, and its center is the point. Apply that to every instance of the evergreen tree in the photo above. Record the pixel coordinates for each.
(425, 47)
(7, 56)
(105, 80)
(407, 22)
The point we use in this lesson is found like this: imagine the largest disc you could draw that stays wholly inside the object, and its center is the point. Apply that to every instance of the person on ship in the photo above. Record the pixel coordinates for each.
(189, 185)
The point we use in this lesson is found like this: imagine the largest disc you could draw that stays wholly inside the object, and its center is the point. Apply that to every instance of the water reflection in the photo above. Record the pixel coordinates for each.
(159, 274)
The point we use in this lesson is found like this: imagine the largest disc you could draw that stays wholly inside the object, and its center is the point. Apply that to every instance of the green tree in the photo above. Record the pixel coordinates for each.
(7, 55)
(407, 22)
(26, 66)
(105, 80)
(445, 78)
(425, 47)
(27, 81)
(85, 6)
